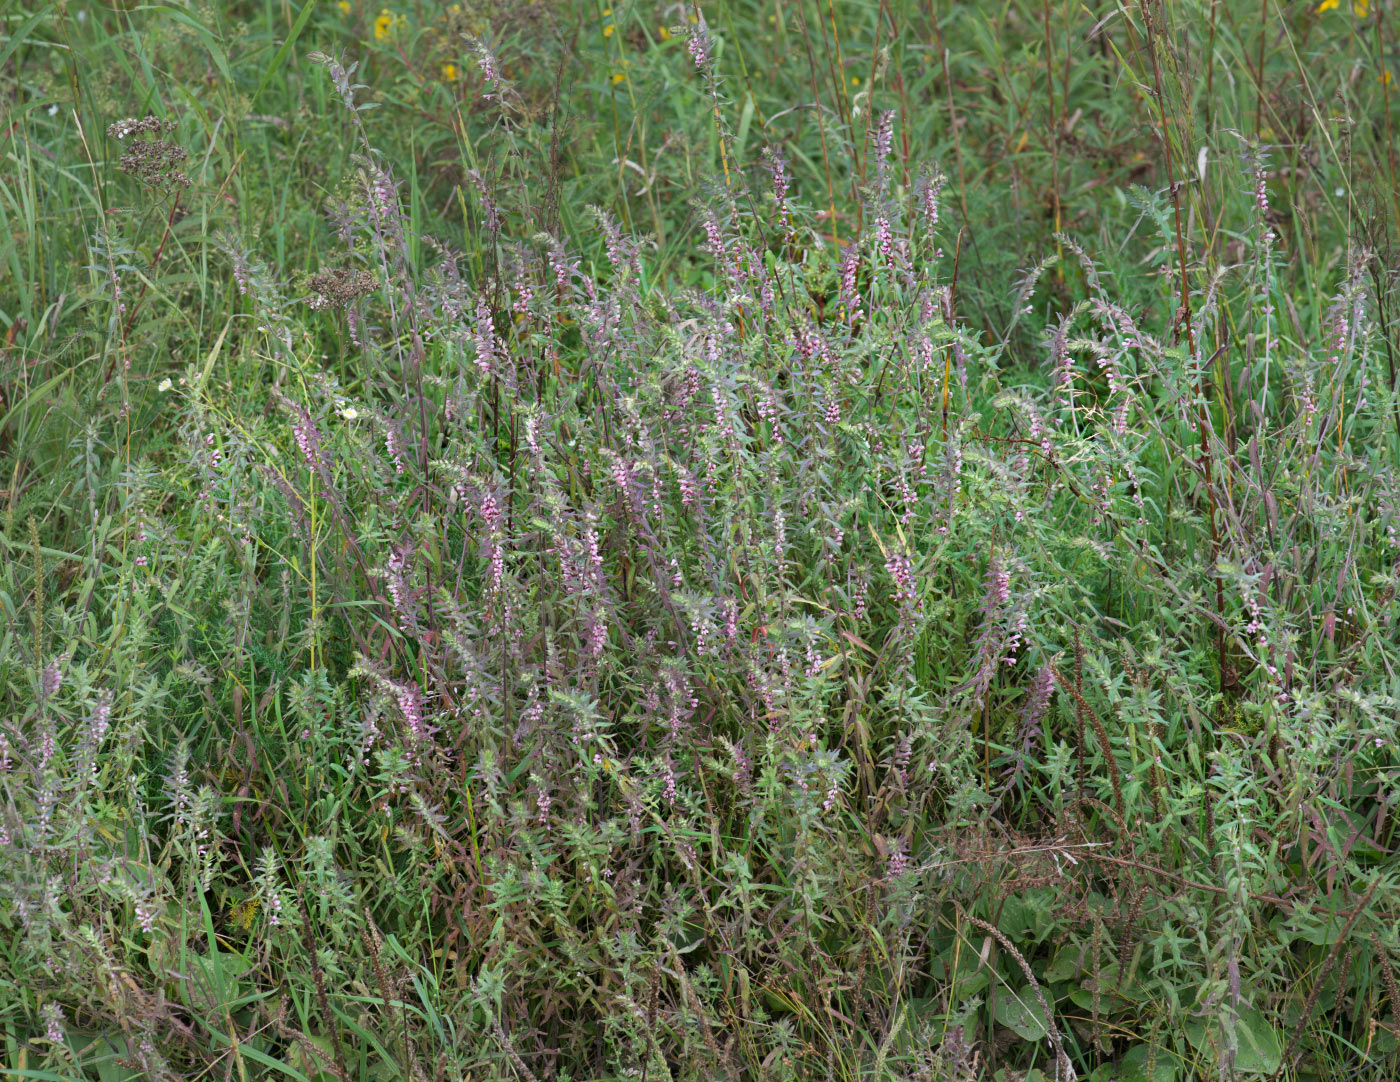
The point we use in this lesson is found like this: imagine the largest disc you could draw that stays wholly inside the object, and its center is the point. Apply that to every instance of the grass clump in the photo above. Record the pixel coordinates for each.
(733, 542)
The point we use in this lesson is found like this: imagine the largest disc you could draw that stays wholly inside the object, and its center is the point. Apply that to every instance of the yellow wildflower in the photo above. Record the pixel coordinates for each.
(344, 6)
(855, 80)
(243, 913)
(608, 31)
(1385, 78)
(663, 33)
(1327, 5)
(607, 11)
(618, 77)
(1362, 8)
(449, 72)
(387, 24)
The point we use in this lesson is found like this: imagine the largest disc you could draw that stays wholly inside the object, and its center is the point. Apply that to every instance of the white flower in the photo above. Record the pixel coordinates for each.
(164, 385)
(53, 109)
(349, 413)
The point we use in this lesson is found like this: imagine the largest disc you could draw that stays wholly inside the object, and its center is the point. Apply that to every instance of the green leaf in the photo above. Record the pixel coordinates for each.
(1260, 1052)
(207, 36)
(1026, 918)
(1320, 923)
(777, 1004)
(1067, 964)
(286, 48)
(1133, 1067)
(1021, 1012)
(214, 984)
(249, 1051)
(1112, 997)
(18, 37)
(971, 978)
(969, 984)
(100, 1053)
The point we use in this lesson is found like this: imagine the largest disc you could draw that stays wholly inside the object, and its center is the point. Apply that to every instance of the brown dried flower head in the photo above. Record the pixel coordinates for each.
(155, 162)
(338, 287)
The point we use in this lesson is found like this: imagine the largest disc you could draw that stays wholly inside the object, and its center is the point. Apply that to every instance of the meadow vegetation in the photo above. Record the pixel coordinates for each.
(750, 539)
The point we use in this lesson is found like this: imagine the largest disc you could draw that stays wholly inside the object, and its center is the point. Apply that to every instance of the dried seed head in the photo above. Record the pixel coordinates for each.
(150, 125)
(338, 287)
(154, 162)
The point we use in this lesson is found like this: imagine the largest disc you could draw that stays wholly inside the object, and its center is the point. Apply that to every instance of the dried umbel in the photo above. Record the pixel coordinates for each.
(339, 287)
(155, 162)
(149, 125)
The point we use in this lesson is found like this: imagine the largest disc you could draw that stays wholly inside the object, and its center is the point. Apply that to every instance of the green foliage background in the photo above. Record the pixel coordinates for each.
(1184, 869)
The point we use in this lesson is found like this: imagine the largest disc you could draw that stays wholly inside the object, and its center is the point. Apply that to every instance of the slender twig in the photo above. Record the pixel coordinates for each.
(155, 262)
(145, 284)
(1311, 1003)
(318, 980)
(1082, 706)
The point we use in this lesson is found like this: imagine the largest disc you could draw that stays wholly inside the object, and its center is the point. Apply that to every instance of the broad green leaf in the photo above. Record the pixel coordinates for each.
(1259, 1053)
(1067, 964)
(1021, 1012)
(1133, 1067)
